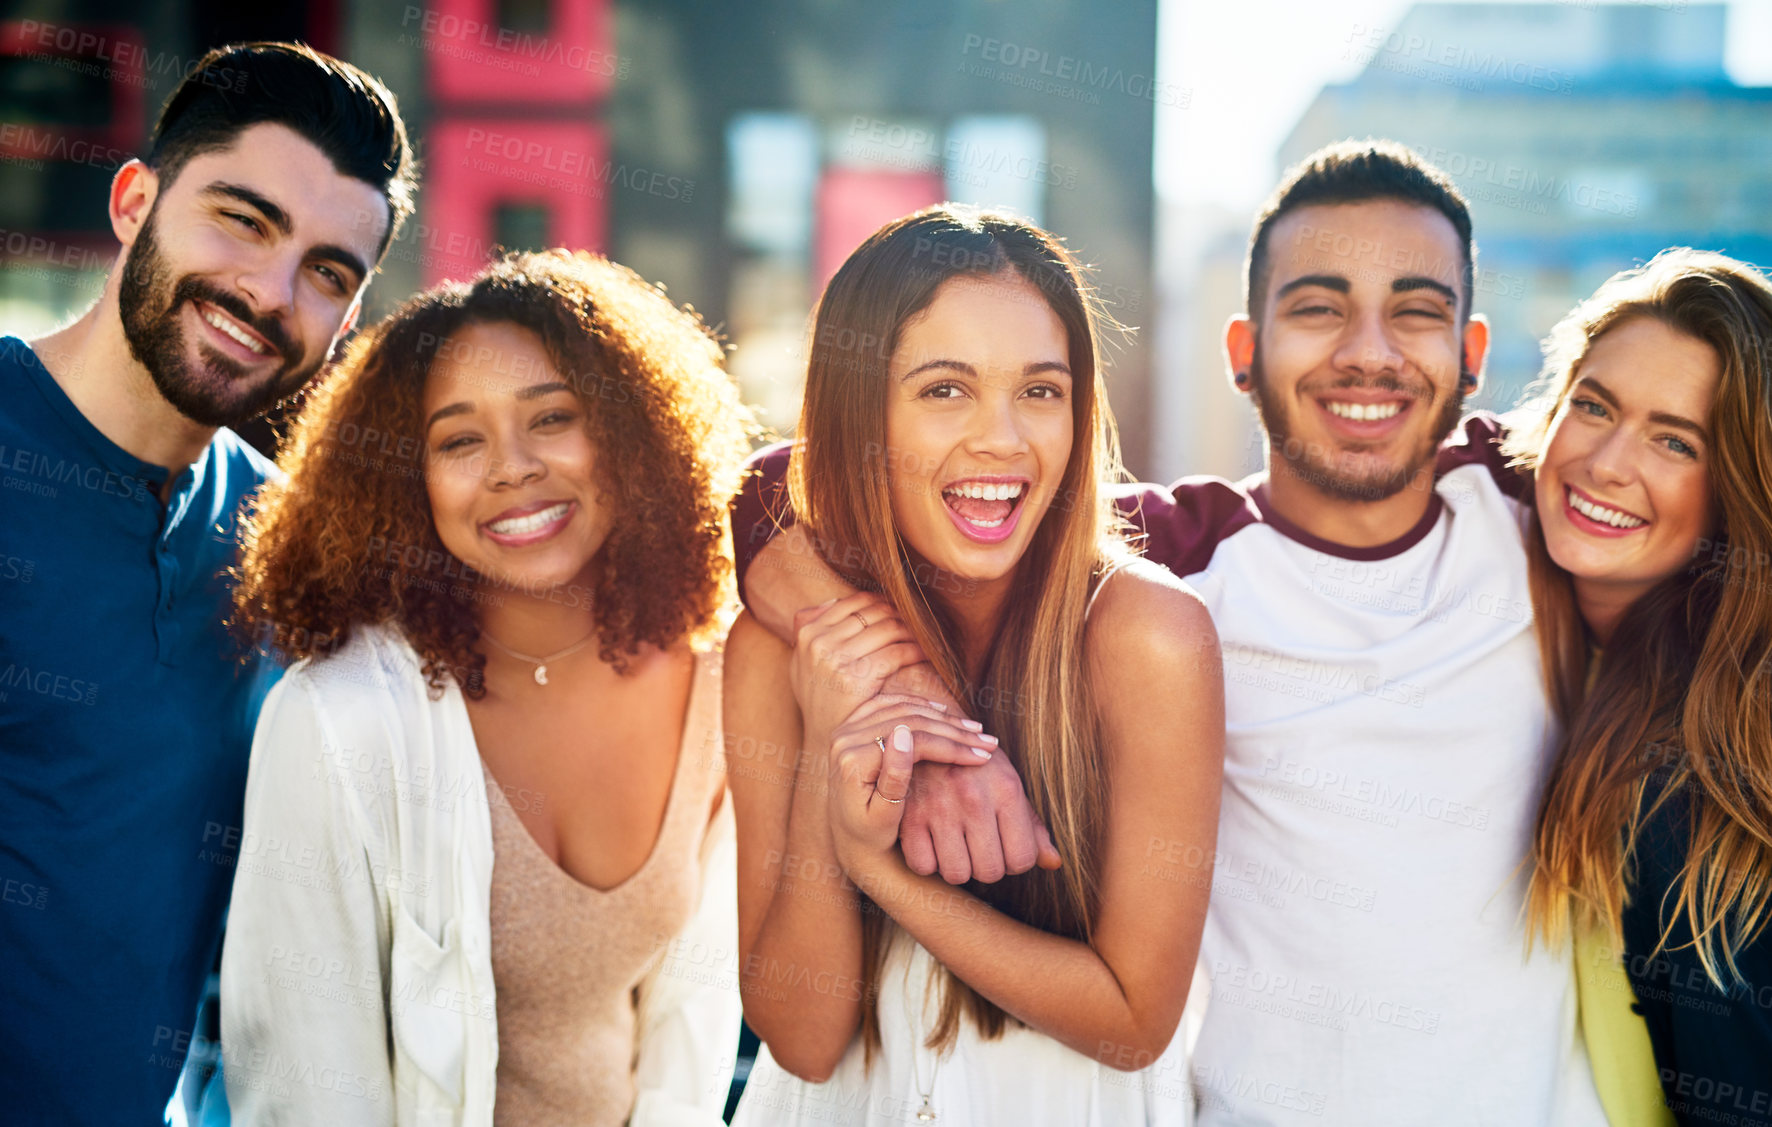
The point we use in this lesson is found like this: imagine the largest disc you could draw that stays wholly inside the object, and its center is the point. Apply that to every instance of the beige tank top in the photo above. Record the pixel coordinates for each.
(567, 959)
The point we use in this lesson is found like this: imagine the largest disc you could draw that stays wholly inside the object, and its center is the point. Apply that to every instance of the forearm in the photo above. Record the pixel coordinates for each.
(789, 574)
(801, 976)
(1076, 998)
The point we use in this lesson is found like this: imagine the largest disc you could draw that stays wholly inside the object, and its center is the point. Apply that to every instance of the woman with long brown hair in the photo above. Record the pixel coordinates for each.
(1651, 539)
(952, 437)
(485, 830)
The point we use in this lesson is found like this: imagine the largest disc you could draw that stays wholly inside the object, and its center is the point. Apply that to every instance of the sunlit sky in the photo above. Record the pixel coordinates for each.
(1254, 65)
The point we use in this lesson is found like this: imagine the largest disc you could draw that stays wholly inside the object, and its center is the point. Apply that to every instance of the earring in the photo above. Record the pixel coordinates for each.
(1241, 379)
(1467, 381)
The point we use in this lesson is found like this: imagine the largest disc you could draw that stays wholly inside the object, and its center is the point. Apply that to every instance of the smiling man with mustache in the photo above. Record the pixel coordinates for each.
(218, 391)
(1387, 727)
(275, 179)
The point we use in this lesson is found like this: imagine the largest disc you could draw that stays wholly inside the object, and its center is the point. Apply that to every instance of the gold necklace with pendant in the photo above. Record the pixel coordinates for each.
(926, 1110)
(541, 663)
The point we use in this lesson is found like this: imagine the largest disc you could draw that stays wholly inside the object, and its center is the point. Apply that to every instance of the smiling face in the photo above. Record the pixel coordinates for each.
(978, 423)
(510, 468)
(1623, 484)
(1355, 363)
(245, 271)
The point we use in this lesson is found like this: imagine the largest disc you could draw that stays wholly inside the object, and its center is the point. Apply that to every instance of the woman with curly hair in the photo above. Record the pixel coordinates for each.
(485, 840)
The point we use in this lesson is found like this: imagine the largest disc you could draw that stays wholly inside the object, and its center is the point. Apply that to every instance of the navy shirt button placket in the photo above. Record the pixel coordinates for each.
(166, 626)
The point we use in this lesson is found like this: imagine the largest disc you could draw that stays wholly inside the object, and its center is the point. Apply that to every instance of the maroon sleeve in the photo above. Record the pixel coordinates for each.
(761, 508)
(1184, 524)
(1477, 442)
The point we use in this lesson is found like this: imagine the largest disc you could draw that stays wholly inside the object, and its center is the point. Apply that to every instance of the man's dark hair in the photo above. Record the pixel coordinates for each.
(1352, 172)
(346, 113)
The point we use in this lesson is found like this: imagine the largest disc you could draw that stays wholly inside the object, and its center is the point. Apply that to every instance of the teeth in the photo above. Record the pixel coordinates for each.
(979, 491)
(227, 326)
(1601, 513)
(517, 526)
(1364, 412)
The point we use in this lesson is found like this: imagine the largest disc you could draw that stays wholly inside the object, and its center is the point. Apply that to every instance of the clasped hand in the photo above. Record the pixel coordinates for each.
(964, 812)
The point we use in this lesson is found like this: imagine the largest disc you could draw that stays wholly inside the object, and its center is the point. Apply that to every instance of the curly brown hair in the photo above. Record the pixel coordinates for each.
(347, 539)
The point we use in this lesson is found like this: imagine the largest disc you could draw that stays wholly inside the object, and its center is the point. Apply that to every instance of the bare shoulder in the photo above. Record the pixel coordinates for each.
(1146, 616)
(1157, 676)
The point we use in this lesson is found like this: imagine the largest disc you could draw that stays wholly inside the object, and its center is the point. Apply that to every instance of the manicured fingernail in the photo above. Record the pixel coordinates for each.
(972, 725)
(938, 706)
(826, 603)
(901, 738)
(981, 753)
(988, 738)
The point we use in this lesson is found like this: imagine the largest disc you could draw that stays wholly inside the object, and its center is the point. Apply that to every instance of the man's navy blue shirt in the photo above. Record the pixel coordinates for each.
(126, 721)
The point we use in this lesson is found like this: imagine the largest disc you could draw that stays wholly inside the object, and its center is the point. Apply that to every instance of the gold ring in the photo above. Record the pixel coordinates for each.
(855, 614)
(881, 741)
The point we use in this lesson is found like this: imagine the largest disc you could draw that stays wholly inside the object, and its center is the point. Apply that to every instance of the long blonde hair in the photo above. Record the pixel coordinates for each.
(1034, 693)
(1683, 693)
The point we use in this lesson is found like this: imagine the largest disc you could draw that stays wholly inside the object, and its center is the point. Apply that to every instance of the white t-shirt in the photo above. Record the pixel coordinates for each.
(1387, 740)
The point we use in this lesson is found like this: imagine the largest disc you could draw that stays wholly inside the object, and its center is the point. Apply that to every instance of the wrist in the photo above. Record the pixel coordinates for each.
(764, 594)
(920, 680)
(868, 868)
(918, 676)
(816, 743)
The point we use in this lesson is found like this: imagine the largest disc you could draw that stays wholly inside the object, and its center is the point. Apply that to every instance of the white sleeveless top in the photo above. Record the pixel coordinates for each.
(1022, 1079)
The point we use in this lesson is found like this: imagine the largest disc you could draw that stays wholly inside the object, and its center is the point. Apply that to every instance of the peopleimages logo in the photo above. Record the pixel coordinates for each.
(1531, 185)
(36, 472)
(567, 169)
(43, 682)
(1082, 79)
(1374, 44)
(83, 50)
(515, 45)
(44, 144)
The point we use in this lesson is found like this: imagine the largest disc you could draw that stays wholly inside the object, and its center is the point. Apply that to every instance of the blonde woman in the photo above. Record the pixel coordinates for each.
(1651, 456)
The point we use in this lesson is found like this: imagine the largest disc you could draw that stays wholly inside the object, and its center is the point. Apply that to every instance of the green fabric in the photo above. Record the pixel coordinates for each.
(1617, 1040)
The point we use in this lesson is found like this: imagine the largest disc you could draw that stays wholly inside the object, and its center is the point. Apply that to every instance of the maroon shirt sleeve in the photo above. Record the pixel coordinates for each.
(1184, 524)
(1477, 442)
(761, 508)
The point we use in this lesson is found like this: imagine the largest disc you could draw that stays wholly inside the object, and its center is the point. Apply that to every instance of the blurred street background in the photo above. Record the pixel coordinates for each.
(736, 152)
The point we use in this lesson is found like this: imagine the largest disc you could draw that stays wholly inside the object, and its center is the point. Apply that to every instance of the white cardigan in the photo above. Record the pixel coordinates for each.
(357, 980)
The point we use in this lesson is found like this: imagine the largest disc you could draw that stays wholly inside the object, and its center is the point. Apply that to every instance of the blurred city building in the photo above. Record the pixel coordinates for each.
(1586, 138)
(810, 124)
(734, 152)
(80, 84)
